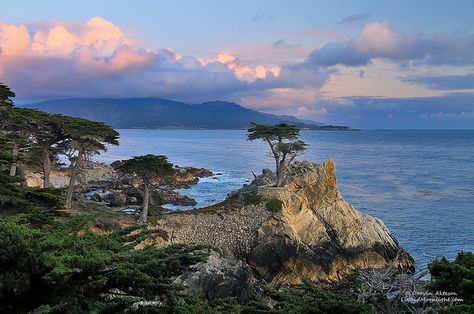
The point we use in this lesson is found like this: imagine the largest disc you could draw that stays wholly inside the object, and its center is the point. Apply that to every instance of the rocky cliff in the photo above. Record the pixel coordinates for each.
(316, 235)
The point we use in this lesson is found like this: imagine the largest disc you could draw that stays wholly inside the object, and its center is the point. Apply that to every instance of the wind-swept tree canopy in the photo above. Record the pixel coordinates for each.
(44, 132)
(83, 139)
(148, 167)
(283, 141)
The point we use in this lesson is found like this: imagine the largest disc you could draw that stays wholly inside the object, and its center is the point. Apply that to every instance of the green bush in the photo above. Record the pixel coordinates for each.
(309, 299)
(456, 276)
(252, 199)
(50, 266)
(456, 309)
(274, 205)
(16, 197)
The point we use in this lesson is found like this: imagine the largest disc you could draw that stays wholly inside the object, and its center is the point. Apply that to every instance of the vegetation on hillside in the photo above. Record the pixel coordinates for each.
(30, 137)
(60, 266)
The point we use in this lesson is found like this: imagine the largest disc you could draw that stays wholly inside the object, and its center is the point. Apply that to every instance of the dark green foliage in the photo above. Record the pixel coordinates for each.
(274, 205)
(252, 199)
(150, 169)
(12, 195)
(6, 95)
(56, 265)
(147, 166)
(194, 304)
(456, 309)
(309, 299)
(90, 136)
(22, 198)
(456, 276)
(273, 132)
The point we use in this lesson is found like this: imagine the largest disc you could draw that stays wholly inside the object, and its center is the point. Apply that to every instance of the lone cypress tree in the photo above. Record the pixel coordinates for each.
(147, 168)
(283, 141)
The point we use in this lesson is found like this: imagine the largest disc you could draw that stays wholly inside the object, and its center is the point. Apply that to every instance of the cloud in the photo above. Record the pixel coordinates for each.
(449, 116)
(354, 19)
(97, 59)
(447, 82)
(450, 111)
(13, 39)
(284, 45)
(262, 17)
(378, 40)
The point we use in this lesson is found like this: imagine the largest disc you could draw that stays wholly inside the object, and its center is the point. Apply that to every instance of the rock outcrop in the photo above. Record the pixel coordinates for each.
(100, 183)
(93, 175)
(186, 176)
(220, 276)
(317, 234)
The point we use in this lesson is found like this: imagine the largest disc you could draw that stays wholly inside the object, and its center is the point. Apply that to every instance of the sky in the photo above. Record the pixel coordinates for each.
(366, 64)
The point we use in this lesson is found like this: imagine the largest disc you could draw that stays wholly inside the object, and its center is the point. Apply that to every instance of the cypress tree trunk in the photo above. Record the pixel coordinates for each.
(46, 167)
(278, 172)
(146, 200)
(21, 172)
(72, 180)
(13, 166)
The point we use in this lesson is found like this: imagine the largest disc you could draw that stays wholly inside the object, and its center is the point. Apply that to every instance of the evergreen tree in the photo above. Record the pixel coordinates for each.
(6, 96)
(283, 141)
(45, 132)
(147, 168)
(83, 139)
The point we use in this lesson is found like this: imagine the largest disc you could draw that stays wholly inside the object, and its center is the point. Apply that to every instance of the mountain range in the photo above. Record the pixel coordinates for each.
(157, 113)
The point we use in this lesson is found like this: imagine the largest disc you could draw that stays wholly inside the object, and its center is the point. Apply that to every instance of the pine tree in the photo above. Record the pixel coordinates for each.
(147, 168)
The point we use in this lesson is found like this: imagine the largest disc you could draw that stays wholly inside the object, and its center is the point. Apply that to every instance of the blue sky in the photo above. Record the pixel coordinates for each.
(372, 64)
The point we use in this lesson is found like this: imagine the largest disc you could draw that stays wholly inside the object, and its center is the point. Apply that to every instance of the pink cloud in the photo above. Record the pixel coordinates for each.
(13, 39)
(98, 59)
(378, 40)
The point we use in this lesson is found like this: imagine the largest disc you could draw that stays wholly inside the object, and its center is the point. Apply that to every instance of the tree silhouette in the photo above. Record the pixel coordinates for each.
(283, 141)
(147, 168)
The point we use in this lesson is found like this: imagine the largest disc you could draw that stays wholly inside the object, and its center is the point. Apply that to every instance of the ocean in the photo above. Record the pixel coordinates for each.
(420, 182)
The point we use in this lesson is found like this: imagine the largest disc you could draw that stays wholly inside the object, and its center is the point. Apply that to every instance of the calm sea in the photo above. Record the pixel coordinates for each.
(420, 183)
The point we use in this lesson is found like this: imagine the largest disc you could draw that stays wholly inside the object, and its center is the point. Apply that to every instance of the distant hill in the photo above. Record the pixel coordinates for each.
(156, 113)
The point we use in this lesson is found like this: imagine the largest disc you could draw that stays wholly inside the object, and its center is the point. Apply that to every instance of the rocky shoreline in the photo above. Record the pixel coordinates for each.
(315, 234)
(100, 183)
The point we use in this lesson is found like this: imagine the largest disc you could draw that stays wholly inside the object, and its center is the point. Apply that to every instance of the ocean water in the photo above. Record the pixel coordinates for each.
(420, 183)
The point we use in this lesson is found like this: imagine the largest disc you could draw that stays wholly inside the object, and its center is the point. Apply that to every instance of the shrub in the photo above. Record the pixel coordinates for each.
(309, 299)
(274, 205)
(50, 266)
(252, 199)
(456, 276)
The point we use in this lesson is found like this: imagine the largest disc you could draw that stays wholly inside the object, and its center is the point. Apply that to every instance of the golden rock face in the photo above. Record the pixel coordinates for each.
(318, 235)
